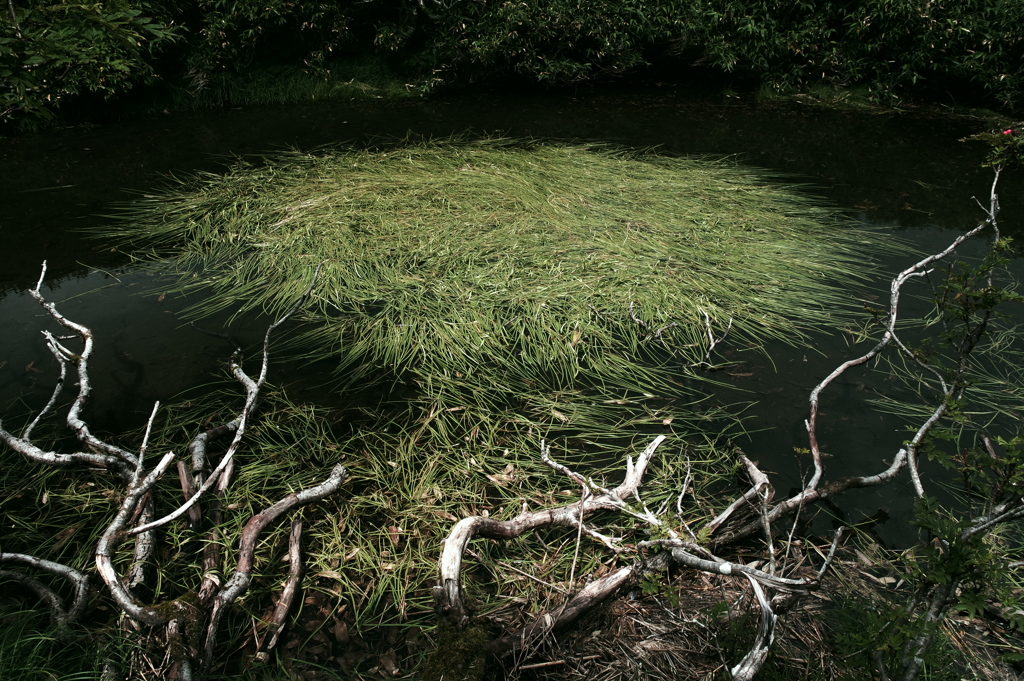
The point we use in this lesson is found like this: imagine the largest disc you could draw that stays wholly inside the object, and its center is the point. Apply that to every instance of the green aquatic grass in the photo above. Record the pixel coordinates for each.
(497, 271)
(372, 549)
(476, 298)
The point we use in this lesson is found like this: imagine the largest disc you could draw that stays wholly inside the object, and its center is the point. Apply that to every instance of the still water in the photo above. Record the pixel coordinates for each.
(902, 172)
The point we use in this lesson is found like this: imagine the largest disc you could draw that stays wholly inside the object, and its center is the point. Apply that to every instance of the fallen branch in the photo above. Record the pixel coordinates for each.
(448, 596)
(284, 601)
(189, 614)
(590, 596)
(62, 616)
(751, 663)
(238, 583)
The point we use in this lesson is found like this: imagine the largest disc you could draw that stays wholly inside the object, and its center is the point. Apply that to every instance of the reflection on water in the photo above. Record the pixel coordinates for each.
(893, 166)
(857, 437)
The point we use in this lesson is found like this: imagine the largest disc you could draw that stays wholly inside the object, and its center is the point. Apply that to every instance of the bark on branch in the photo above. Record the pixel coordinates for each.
(448, 596)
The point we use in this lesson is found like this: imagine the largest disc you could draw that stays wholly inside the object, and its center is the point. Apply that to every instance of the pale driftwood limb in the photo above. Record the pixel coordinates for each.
(197, 448)
(114, 536)
(1002, 513)
(760, 482)
(686, 485)
(74, 421)
(145, 542)
(252, 393)
(291, 588)
(238, 583)
(712, 341)
(806, 496)
(633, 316)
(831, 552)
(588, 597)
(545, 455)
(715, 565)
(993, 202)
(757, 477)
(751, 663)
(30, 451)
(448, 598)
(78, 579)
(180, 616)
(765, 492)
(103, 454)
(917, 269)
(62, 363)
(252, 390)
(62, 617)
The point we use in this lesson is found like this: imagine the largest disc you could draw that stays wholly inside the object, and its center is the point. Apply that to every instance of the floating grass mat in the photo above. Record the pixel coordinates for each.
(510, 274)
(503, 292)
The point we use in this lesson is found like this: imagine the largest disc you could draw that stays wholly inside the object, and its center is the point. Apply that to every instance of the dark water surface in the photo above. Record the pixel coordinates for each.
(906, 172)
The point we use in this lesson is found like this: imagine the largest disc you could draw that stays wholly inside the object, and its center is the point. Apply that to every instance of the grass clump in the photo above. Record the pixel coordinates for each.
(29, 651)
(508, 273)
(474, 299)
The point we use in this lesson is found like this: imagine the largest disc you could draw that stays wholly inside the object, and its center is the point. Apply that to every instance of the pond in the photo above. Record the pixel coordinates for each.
(902, 172)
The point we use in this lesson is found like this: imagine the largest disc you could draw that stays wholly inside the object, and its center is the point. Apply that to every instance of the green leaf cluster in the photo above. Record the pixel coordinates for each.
(890, 46)
(53, 50)
(232, 36)
(558, 41)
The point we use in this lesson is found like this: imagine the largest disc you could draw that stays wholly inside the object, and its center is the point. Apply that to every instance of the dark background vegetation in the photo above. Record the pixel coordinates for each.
(60, 55)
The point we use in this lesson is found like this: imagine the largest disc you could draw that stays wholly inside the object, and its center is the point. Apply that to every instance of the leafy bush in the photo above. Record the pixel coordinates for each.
(49, 51)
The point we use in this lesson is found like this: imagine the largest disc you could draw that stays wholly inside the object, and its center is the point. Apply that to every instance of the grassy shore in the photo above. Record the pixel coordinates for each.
(474, 299)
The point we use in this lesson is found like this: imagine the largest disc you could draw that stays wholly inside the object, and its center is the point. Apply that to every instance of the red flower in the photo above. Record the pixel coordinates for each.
(1008, 131)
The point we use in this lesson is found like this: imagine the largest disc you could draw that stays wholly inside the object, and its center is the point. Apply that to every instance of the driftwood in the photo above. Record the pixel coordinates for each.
(203, 489)
(449, 601)
(448, 597)
(134, 519)
(288, 593)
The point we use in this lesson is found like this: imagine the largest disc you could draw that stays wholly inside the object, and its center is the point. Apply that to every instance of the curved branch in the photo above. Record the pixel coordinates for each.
(27, 433)
(30, 451)
(238, 583)
(827, 491)
(114, 536)
(252, 390)
(448, 597)
(588, 597)
(74, 420)
(751, 663)
(58, 614)
(79, 579)
(917, 269)
(291, 588)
